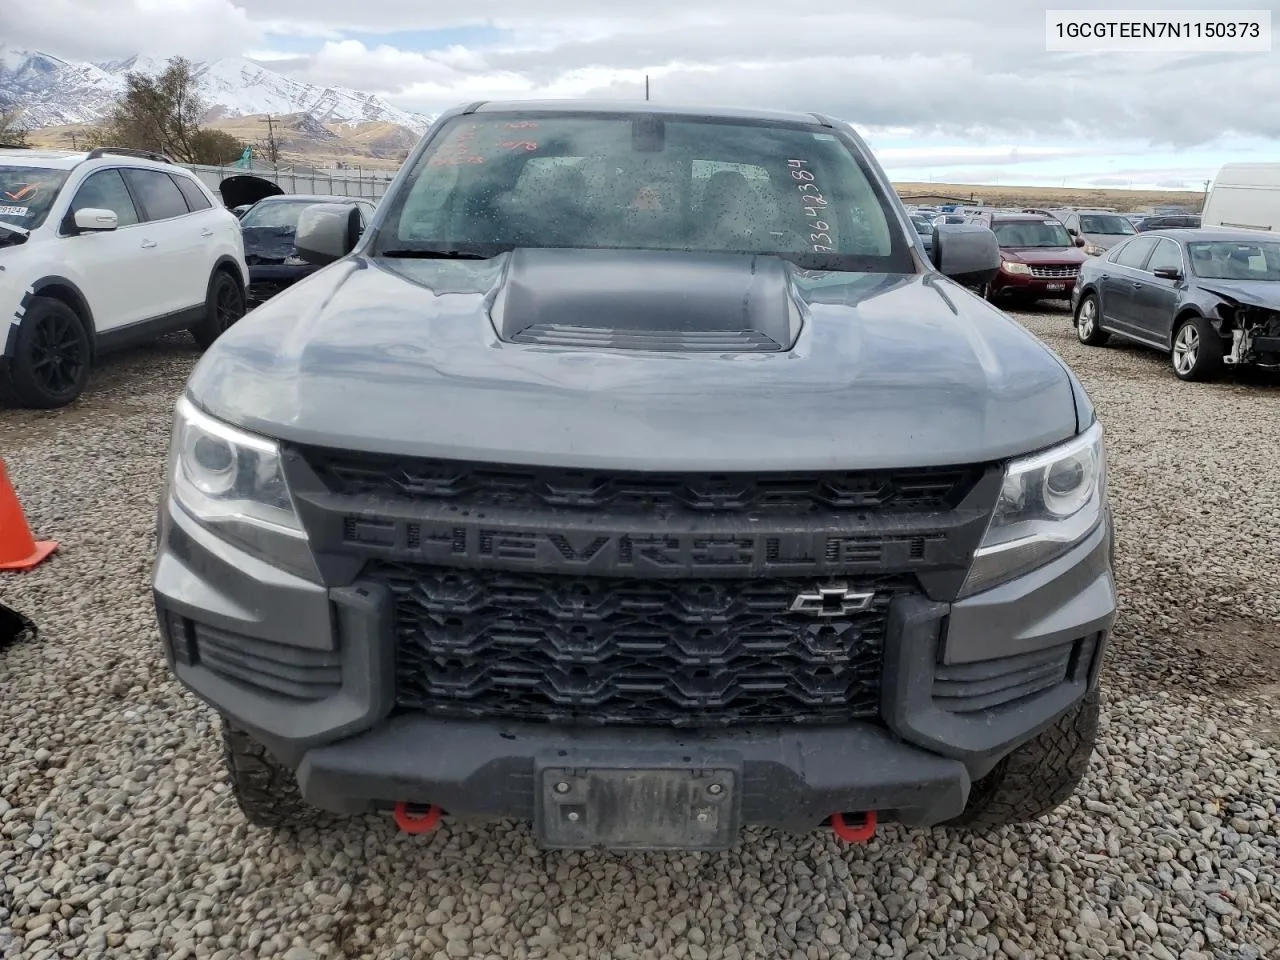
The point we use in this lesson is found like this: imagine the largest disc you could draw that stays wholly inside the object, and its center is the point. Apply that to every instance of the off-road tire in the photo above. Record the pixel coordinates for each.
(265, 789)
(225, 303)
(1037, 777)
(21, 384)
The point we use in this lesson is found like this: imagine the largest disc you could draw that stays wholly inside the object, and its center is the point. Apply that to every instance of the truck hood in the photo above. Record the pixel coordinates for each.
(1044, 254)
(865, 370)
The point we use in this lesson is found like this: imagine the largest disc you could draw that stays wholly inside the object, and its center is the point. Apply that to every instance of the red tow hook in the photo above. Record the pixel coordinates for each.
(855, 833)
(414, 822)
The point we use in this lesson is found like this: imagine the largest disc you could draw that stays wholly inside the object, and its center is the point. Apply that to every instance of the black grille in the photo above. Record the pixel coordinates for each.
(486, 485)
(480, 643)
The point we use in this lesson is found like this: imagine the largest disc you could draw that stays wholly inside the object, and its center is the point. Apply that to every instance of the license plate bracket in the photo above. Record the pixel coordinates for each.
(673, 807)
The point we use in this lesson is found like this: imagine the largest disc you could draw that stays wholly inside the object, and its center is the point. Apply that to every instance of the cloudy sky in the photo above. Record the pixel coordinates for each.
(948, 90)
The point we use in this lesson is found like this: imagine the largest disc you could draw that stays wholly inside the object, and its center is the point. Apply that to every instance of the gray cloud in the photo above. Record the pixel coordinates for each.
(975, 69)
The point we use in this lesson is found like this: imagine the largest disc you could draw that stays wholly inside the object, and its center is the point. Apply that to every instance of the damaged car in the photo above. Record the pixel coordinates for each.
(268, 228)
(1210, 298)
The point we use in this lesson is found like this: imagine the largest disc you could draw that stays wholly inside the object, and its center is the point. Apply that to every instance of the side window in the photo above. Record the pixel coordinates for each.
(1135, 251)
(1072, 223)
(1167, 256)
(196, 200)
(157, 194)
(105, 190)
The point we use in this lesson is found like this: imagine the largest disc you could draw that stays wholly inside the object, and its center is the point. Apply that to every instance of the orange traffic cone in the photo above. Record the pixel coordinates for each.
(18, 549)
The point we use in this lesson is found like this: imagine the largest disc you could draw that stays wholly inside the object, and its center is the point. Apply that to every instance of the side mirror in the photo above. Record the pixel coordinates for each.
(1079, 241)
(326, 232)
(967, 252)
(1168, 273)
(95, 220)
(1073, 231)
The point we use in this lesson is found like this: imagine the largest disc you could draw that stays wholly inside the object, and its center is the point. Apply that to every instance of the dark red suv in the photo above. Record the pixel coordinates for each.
(1038, 258)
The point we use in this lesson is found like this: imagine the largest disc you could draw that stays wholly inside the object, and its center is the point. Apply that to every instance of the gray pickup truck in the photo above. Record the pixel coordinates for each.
(636, 474)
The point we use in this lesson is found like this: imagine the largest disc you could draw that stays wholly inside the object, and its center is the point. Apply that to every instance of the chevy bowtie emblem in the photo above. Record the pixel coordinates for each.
(835, 600)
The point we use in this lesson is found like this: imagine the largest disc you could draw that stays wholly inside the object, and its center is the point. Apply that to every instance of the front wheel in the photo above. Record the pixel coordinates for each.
(1038, 776)
(224, 305)
(1197, 350)
(265, 789)
(1088, 331)
(50, 363)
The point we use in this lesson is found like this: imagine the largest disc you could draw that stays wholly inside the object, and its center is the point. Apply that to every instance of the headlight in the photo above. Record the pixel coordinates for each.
(232, 483)
(293, 260)
(1093, 251)
(1049, 502)
(1012, 266)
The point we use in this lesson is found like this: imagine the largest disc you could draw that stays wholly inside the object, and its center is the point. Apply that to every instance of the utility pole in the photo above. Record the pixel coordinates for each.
(273, 154)
(646, 86)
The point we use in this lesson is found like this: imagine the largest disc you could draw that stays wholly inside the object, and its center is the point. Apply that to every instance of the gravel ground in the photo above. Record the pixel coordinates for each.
(118, 838)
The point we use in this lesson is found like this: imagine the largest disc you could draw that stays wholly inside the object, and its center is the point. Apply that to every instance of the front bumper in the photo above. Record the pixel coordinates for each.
(1029, 286)
(310, 672)
(266, 280)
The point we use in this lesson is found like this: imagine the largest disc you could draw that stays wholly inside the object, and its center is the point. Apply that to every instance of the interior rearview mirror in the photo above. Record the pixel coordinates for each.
(327, 232)
(95, 220)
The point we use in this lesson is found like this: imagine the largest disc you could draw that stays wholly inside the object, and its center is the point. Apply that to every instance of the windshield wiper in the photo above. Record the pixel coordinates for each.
(434, 255)
(20, 231)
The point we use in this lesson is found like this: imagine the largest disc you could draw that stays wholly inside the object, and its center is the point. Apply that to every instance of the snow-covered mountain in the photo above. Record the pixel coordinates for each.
(52, 91)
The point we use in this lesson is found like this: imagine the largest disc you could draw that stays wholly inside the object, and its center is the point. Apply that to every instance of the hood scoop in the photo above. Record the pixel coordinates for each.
(647, 300)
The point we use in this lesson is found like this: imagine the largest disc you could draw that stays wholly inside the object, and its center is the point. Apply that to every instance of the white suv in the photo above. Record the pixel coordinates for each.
(101, 250)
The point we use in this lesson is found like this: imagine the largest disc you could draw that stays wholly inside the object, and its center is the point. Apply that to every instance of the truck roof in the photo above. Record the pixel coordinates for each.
(643, 106)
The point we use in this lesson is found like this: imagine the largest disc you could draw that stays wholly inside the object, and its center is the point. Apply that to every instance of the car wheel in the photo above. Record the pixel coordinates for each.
(1197, 350)
(265, 790)
(224, 305)
(1087, 329)
(1038, 776)
(50, 364)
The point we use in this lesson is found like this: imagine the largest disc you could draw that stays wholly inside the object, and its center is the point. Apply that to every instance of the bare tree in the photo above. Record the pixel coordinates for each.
(160, 113)
(13, 129)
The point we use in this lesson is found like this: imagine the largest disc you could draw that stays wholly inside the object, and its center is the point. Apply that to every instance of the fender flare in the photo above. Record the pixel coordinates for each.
(69, 293)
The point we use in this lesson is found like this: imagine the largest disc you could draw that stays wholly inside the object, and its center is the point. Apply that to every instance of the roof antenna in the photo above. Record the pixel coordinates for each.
(646, 86)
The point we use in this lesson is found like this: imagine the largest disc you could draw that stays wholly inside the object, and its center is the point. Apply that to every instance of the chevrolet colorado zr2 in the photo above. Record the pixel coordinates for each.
(635, 474)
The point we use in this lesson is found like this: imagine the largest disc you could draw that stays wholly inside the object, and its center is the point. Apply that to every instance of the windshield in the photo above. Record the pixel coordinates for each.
(1107, 224)
(1030, 233)
(27, 193)
(276, 213)
(1235, 260)
(492, 182)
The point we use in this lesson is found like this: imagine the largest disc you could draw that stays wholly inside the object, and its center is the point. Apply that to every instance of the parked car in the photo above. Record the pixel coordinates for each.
(1038, 259)
(1167, 222)
(943, 219)
(924, 227)
(268, 228)
(1244, 196)
(101, 250)
(1207, 297)
(642, 482)
(1099, 229)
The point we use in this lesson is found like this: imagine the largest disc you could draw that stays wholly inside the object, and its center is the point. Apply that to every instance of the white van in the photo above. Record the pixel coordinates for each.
(1244, 195)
